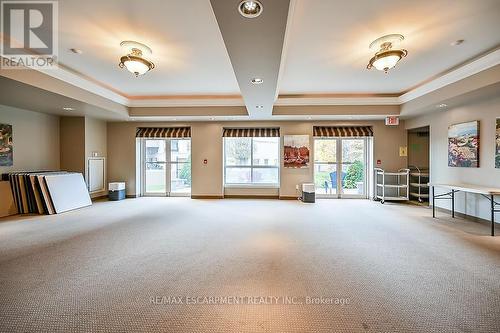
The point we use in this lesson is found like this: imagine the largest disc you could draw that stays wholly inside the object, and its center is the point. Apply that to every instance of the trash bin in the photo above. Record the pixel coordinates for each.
(116, 191)
(308, 193)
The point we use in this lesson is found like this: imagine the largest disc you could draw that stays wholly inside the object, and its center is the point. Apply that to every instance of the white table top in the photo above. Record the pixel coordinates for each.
(469, 188)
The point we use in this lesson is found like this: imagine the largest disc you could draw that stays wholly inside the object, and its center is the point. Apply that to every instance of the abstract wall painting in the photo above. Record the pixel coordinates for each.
(463, 145)
(6, 147)
(296, 151)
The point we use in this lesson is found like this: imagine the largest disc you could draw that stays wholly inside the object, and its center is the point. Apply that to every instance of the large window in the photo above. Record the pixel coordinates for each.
(252, 161)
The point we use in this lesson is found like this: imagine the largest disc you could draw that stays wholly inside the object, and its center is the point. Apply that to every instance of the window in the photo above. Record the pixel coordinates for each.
(253, 161)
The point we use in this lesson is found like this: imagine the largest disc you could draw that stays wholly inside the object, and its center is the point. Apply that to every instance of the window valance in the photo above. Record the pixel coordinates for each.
(342, 131)
(250, 132)
(163, 132)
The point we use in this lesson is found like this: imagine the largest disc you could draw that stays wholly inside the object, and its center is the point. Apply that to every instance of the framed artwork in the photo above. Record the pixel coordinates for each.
(497, 149)
(6, 149)
(296, 151)
(463, 145)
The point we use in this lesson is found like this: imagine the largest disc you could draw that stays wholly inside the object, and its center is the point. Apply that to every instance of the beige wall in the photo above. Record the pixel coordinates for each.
(35, 138)
(96, 142)
(485, 111)
(207, 144)
(36, 146)
(418, 150)
(72, 131)
(80, 137)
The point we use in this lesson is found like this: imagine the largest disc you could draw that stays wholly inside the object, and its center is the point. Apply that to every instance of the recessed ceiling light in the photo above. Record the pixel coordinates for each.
(134, 61)
(309, 118)
(442, 105)
(257, 80)
(212, 118)
(457, 42)
(386, 57)
(67, 108)
(259, 106)
(250, 9)
(76, 51)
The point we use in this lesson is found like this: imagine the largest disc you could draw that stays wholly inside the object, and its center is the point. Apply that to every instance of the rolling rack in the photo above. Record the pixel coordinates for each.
(397, 183)
(419, 183)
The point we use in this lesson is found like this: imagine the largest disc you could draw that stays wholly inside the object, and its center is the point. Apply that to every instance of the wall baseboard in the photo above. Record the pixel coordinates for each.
(194, 196)
(287, 197)
(105, 196)
(462, 215)
(132, 196)
(249, 196)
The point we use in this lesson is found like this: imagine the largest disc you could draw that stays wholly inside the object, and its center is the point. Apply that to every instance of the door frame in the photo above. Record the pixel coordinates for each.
(168, 169)
(338, 163)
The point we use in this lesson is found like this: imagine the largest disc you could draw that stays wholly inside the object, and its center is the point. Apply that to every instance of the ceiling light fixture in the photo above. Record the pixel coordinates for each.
(76, 51)
(386, 57)
(259, 106)
(442, 105)
(250, 9)
(457, 42)
(134, 61)
(257, 80)
(67, 108)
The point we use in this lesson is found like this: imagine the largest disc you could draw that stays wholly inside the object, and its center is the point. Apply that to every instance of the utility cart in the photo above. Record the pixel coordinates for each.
(392, 186)
(419, 183)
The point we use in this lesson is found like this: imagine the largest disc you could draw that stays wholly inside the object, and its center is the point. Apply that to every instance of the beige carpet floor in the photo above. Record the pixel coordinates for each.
(115, 266)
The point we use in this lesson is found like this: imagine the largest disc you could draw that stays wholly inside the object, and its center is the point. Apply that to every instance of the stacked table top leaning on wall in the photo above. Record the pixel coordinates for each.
(487, 192)
(48, 192)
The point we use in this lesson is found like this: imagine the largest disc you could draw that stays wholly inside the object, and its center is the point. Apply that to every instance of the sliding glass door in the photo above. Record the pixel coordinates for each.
(166, 167)
(340, 167)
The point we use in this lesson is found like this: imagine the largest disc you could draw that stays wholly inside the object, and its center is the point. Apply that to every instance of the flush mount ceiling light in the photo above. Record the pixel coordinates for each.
(386, 57)
(457, 42)
(134, 61)
(257, 80)
(76, 51)
(67, 108)
(250, 9)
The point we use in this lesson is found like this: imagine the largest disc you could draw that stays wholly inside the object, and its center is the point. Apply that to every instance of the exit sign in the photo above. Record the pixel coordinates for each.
(392, 121)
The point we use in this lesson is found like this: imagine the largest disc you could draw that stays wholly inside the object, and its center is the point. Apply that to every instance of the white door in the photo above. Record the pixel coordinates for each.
(166, 167)
(340, 167)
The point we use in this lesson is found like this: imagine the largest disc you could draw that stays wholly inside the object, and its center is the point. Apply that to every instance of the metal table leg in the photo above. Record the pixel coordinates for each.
(453, 203)
(433, 203)
(492, 215)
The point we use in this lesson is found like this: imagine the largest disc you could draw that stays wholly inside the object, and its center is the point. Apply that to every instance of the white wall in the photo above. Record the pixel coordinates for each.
(486, 112)
(35, 146)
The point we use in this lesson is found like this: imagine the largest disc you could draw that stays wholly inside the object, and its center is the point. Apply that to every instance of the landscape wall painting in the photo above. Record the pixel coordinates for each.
(463, 145)
(296, 151)
(6, 153)
(497, 150)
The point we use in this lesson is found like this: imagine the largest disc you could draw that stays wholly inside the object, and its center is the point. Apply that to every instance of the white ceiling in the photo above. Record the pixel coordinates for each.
(327, 48)
(188, 49)
(309, 52)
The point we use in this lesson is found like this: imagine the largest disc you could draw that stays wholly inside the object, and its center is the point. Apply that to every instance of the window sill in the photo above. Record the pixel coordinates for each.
(276, 186)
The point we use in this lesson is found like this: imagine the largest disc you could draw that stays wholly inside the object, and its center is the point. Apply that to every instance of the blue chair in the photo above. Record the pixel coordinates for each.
(333, 181)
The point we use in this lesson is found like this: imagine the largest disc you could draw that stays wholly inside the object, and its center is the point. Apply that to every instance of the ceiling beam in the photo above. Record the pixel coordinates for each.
(255, 48)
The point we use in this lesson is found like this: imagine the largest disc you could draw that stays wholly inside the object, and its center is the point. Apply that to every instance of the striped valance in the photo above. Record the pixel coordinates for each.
(251, 132)
(163, 132)
(342, 131)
